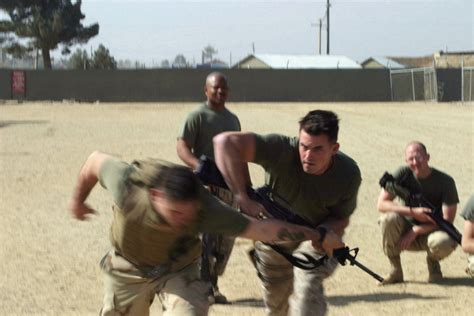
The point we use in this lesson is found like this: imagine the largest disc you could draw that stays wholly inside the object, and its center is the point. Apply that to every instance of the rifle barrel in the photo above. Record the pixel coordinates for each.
(353, 261)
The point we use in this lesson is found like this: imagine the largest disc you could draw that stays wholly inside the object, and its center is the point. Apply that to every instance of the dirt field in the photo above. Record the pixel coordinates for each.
(50, 261)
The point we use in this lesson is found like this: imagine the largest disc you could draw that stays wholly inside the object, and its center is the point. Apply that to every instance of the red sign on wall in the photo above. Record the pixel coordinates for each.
(18, 82)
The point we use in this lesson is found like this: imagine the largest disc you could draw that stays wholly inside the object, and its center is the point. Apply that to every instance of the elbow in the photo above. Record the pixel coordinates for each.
(379, 207)
(467, 244)
(220, 141)
(468, 248)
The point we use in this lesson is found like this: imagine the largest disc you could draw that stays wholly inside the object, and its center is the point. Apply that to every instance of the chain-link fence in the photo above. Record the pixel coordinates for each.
(467, 92)
(414, 84)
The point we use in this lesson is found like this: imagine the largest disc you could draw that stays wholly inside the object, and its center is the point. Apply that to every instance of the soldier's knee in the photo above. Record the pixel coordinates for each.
(390, 219)
(391, 223)
(272, 272)
(440, 245)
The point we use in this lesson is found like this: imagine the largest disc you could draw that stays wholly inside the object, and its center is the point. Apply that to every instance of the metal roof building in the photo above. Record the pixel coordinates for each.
(381, 62)
(272, 61)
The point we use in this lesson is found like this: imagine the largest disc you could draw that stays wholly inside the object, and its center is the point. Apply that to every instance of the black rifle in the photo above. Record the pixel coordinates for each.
(209, 174)
(401, 189)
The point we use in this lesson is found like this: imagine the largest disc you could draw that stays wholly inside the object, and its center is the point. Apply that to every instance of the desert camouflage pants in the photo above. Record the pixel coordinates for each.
(127, 292)
(470, 265)
(289, 290)
(438, 244)
(216, 248)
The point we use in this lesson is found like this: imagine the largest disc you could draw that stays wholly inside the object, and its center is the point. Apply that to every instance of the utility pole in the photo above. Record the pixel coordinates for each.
(327, 26)
(320, 25)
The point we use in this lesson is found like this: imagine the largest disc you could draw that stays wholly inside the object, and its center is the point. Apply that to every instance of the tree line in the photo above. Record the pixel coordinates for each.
(36, 27)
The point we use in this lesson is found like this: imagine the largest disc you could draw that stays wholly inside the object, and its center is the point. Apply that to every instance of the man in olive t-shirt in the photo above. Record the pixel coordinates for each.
(408, 227)
(195, 140)
(468, 234)
(159, 210)
(312, 178)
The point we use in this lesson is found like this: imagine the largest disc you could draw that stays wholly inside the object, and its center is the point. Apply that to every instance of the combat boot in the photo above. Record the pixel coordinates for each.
(396, 274)
(434, 270)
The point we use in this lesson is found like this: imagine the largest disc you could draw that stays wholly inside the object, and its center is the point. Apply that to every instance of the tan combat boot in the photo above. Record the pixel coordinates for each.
(434, 270)
(396, 274)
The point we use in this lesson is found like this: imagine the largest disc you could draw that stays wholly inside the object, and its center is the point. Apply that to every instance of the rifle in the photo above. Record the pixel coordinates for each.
(401, 189)
(209, 174)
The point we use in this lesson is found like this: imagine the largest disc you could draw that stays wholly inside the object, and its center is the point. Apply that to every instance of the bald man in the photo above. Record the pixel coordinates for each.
(408, 227)
(194, 140)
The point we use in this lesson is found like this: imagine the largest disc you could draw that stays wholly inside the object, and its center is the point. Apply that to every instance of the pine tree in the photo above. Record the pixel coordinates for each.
(46, 23)
(101, 59)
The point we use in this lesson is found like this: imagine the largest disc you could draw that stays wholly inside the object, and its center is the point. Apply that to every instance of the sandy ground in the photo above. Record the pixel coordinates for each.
(50, 261)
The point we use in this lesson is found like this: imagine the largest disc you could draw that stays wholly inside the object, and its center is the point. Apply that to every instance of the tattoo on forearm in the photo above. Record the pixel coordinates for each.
(284, 234)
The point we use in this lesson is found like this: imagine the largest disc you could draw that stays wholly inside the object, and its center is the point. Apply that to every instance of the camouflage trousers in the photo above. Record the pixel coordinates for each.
(289, 290)
(470, 265)
(128, 292)
(438, 244)
(216, 248)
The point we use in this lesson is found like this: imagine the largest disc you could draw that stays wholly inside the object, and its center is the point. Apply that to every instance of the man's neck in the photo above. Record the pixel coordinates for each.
(424, 174)
(215, 106)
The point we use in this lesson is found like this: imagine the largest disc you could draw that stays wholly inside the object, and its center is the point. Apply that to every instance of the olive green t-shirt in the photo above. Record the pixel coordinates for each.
(139, 234)
(313, 197)
(203, 124)
(438, 188)
(468, 210)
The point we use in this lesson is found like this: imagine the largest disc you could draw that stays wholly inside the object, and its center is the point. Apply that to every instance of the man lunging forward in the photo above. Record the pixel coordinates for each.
(319, 183)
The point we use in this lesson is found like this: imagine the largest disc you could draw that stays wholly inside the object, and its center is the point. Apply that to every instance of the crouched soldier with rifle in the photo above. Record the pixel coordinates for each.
(423, 221)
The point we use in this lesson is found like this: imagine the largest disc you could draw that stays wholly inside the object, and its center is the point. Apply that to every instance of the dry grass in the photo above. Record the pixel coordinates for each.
(50, 261)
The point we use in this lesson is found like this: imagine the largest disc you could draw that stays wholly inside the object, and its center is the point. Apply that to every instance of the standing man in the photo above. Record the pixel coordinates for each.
(468, 234)
(159, 210)
(319, 183)
(408, 227)
(194, 140)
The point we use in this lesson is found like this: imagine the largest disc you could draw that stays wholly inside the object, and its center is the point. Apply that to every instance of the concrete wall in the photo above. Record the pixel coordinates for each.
(116, 86)
(310, 85)
(162, 85)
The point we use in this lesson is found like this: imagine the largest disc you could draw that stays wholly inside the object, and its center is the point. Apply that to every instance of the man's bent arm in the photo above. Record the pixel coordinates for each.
(386, 204)
(87, 179)
(232, 150)
(272, 230)
(449, 212)
(185, 154)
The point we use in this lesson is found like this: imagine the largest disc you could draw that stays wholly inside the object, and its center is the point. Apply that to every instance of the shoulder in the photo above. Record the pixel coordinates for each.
(114, 168)
(229, 114)
(438, 174)
(197, 112)
(347, 161)
(276, 140)
(404, 174)
(347, 166)
(468, 210)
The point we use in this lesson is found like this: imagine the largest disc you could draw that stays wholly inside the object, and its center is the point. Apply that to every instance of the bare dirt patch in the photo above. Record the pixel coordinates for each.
(50, 261)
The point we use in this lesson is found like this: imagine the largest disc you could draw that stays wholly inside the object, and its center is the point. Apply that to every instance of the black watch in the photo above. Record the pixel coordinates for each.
(322, 233)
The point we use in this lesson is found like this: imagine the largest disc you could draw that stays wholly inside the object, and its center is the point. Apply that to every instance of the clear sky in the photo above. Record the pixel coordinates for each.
(153, 30)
